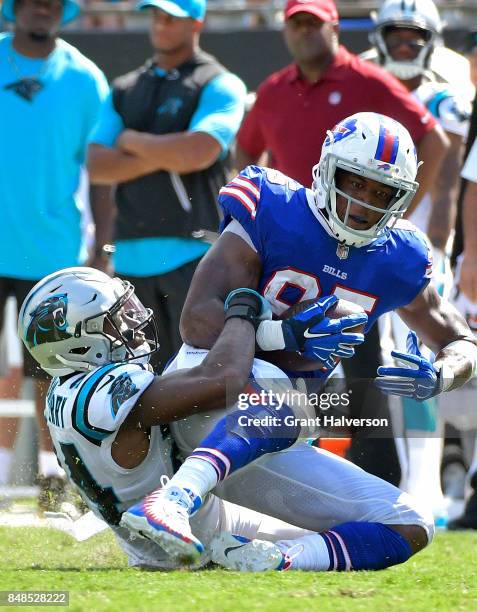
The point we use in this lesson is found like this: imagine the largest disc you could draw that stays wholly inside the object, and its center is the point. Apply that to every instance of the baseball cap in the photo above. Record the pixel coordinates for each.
(71, 10)
(177, 8)
(323, 9)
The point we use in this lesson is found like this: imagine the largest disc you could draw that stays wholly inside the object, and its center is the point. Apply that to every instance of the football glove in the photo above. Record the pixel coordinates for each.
(418, 378)
(316, 336)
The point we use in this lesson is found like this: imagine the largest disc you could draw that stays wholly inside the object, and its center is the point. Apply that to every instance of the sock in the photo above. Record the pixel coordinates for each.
(6, 458)
(245, 435)
(48, 464)
(308, 553)
(195, 475)
(236, 440)
(349, 546)
(424, 475)
(424, 450)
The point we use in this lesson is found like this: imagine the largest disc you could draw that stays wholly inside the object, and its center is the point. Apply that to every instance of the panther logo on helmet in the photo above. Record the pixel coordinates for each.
(48, 321)
(121, 390)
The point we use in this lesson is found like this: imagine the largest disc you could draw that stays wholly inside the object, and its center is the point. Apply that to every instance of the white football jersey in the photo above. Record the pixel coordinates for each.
(451, 109)
(447, 66)
(84, 412)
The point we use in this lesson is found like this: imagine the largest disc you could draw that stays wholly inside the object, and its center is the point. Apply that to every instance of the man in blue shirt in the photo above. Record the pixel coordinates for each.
(50, 97)
(163, 139)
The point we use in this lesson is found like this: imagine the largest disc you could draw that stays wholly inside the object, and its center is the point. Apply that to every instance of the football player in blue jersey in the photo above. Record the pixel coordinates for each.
(344, 237)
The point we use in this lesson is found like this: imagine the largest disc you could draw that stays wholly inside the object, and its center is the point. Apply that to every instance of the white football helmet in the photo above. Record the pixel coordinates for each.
(373, 146)
(418, 14)
(77, 319)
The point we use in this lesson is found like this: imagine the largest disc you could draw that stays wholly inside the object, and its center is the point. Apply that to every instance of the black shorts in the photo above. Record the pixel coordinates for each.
(19, 289)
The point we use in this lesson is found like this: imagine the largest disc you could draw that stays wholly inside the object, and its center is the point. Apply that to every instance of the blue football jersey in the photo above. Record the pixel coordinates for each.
(302, 261)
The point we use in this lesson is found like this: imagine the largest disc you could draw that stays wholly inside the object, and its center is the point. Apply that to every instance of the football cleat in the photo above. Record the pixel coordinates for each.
(244, 555)
(163, 517)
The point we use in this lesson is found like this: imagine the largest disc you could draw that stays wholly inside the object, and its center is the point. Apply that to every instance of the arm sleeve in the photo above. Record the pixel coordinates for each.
(389, 97)
(109, 125)
(240, 200)
(107, 397)
(220, 109)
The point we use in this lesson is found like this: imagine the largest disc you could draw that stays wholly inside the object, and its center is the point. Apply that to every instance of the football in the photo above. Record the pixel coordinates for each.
(342, 308)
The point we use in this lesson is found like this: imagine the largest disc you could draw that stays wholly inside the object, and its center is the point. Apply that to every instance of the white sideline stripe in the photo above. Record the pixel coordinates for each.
(17, 408)
(22, 520)
(13, 491)
(82, 529)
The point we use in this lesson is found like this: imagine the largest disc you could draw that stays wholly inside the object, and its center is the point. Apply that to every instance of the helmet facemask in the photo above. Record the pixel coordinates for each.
(404, 69)
(324, 177)
(129, 329)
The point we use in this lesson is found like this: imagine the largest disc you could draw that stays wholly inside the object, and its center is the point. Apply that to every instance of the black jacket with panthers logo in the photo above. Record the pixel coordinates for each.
(166, 203)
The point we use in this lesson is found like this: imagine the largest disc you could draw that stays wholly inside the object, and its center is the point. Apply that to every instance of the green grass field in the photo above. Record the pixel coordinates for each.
(443, 577)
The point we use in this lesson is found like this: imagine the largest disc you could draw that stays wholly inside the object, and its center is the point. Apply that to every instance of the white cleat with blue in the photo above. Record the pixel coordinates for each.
(244, 555)
(163, 517)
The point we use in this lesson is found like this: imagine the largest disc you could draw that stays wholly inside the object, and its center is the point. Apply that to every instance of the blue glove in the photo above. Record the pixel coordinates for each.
(316, 336)
(419, 379)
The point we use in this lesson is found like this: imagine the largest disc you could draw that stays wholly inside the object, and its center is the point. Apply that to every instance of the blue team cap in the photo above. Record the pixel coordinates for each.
(195, 9)
(70, 10)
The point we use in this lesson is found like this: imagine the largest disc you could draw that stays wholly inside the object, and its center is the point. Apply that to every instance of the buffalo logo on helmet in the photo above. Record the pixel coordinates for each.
(121, 390)
(48, 321)
(340, 131)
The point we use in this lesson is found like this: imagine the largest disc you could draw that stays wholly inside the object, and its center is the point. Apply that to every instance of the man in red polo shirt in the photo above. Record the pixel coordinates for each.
(293, 111)
(298, 104)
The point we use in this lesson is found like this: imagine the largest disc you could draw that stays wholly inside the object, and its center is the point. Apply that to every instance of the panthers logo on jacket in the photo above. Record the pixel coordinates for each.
(121, 390)
(48, 321)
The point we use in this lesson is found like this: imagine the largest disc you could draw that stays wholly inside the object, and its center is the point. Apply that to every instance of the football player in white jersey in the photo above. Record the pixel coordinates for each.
(407, 42)
(105, 410)
(105, 407)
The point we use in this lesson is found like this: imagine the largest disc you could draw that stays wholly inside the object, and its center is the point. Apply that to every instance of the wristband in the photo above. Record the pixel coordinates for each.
(446, 375)
(269, 336)
(467, 348)
(243, 304)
